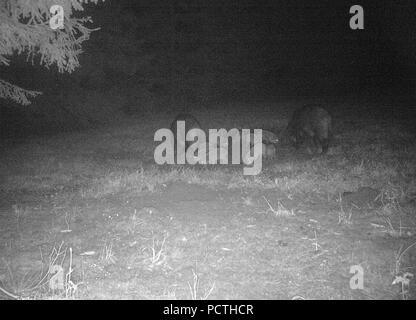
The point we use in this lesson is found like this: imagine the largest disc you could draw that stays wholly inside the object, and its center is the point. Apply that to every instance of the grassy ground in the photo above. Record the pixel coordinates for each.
(89, 215)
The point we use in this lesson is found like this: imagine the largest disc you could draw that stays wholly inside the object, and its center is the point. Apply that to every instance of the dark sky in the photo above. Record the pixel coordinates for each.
(264, 48)
(293, 43)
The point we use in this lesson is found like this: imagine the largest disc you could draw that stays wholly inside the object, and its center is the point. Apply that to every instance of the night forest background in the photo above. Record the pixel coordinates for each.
(151, 57)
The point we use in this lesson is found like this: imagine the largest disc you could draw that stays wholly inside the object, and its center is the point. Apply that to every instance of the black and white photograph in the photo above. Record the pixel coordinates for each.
(207, 150)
